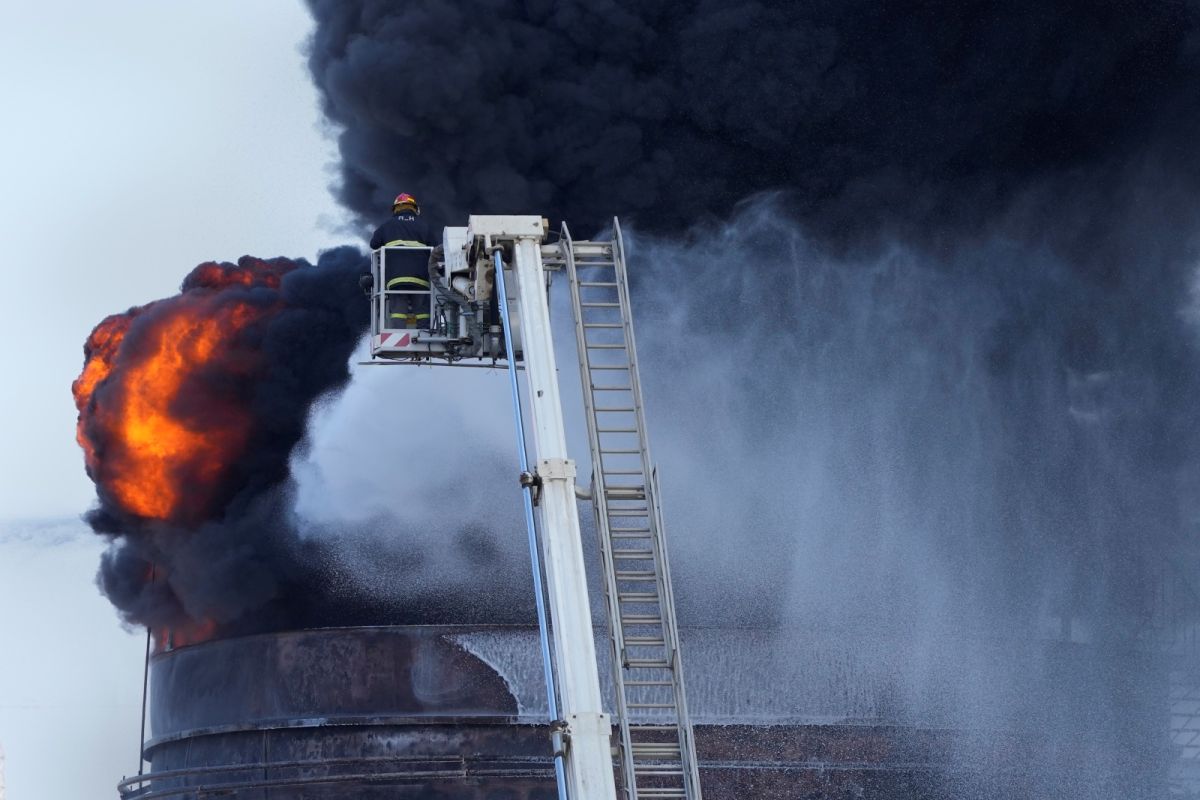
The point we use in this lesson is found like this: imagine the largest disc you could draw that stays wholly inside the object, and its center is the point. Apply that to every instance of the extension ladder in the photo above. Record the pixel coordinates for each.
(658, 755)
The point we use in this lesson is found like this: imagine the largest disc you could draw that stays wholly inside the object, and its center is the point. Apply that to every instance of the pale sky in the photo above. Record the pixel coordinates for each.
(139, 138)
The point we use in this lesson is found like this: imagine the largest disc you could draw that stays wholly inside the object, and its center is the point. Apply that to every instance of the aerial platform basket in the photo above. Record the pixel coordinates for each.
(439, 303)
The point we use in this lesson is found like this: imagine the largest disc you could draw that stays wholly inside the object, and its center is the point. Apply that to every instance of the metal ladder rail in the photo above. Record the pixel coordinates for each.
(687, 743)
(653, 768)
(649, 659)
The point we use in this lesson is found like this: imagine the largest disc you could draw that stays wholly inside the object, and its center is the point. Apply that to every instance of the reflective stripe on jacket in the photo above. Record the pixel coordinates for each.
(407, 280)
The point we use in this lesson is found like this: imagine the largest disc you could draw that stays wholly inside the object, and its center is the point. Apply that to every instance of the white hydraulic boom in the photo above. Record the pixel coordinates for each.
(488, 302)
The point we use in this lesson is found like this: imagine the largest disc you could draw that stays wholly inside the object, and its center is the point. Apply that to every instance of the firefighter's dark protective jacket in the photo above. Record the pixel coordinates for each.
(406, 274)
(403, 229)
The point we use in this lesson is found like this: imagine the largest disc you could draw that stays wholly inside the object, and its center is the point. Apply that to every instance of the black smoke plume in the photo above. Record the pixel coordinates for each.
(916, 282)
(1035, 159)
(190, 409)
(863, 112)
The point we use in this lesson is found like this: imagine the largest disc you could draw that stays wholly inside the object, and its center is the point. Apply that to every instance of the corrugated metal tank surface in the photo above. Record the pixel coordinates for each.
(458, 713)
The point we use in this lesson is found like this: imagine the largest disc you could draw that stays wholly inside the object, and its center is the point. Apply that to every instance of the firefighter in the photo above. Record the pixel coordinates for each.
(408, 273)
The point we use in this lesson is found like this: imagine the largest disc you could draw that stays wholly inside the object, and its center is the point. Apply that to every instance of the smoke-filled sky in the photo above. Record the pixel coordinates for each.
(915, 285)
(938, 258)
(953, 346)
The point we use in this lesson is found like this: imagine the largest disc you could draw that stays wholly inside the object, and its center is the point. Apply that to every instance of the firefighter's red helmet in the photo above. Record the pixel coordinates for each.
(405, 200)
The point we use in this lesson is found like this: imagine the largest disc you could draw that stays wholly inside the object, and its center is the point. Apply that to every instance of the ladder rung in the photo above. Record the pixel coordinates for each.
(646, 641)
(636, 728)
(628, 512)
(649, 705)
(620, 410)
(648, 748)
(637, 597)
(590, 346)
(621, 534)
(619, 451)
(600, 305)
(635, 576)
(660, 770)
(663, 757)
(620, 472)
(607, 366)
(611, 388)
(647, 663)
(596, 284)
(616, 430)
(603, 325)
(633, 554)
(641, 619)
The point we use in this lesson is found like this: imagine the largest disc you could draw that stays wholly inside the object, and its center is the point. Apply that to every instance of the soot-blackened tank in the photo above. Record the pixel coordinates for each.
(395, 712)
(457, 712)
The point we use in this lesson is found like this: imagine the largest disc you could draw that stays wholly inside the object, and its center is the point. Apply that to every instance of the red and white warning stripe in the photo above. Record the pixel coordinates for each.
(392, 339)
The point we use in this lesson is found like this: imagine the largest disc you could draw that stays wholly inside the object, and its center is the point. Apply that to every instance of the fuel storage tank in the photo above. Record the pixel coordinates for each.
(457, 712)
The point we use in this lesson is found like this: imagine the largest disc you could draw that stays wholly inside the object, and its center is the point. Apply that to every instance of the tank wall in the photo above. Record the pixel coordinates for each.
(335, 675)
(457, 712)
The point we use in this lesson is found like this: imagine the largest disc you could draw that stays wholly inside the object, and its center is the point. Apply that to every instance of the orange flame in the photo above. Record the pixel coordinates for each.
(159, 433)
(160, 447)
(183, 635)
(253, 272)
(100, 352)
